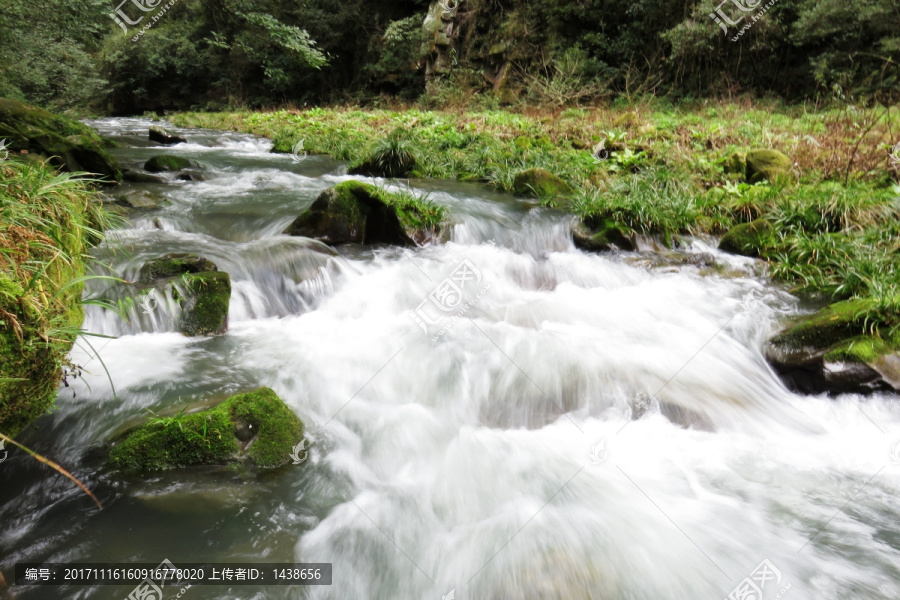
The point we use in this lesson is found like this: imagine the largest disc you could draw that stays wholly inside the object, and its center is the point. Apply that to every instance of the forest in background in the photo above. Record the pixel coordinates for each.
(225, 54)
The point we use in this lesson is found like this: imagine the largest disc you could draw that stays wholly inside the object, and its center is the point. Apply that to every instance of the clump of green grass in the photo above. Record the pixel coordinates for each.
(48, 223)
(394, 155)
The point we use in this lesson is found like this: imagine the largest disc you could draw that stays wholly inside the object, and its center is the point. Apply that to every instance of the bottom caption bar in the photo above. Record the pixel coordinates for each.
(154, 577)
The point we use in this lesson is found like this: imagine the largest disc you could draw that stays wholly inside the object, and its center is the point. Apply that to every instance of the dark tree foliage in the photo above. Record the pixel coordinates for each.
(257, 53)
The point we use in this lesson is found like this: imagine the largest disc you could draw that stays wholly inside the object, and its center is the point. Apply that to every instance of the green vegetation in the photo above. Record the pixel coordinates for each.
(391, 157)
(48, 221)
(257, 426)
(256, 53)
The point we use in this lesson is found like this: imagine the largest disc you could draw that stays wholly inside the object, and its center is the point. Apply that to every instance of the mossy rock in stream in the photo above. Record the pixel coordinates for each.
(173, 265)
(205, 310)
(203, 292)
(168, 163)
(255, 427)
(66, 143)
(161, 136)
(541, 184)
(603, 235)
(136, 176)
(830, 351)
(748, 239)
(353, 212)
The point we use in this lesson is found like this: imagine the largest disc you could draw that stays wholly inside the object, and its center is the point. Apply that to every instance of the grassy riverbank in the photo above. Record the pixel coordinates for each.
(673, 171)
(48, 221)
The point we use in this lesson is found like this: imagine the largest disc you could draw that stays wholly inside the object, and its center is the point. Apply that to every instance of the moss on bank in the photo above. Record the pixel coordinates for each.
(60, 140)
(214, 437)
(47, 223)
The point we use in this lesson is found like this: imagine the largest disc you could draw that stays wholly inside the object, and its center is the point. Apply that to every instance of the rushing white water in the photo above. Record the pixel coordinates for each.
(593, 426)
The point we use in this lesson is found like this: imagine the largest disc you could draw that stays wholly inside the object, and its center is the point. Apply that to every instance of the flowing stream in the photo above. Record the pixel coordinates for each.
(592, 426)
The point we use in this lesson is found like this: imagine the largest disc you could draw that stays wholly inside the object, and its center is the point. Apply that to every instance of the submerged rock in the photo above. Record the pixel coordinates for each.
(169, 162)
(191, 176)
(140, 199)
(160, 135)
(602, 235)
(62, 141)
(540, 183)
(269, 431)
(766, 165)
(353, 212)
(136, 176)
(828, 352)
(748, 239)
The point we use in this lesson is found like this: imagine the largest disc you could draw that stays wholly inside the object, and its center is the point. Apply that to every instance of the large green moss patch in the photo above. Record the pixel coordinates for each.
(255, 427)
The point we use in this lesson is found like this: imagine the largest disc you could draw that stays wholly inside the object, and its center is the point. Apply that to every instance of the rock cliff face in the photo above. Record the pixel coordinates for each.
(442, 27)
(451, 37)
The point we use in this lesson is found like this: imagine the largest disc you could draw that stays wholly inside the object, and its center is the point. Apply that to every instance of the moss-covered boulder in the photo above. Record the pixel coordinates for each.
(168, 163)
(748, 239)
(829, 351)
(736, 164)
(173, 265)
(765, 165)
(205, 310)
(66, 143)
(540, 183)
(255, 428)
(161, 136)
(203, 292)
(353, 212)
(603, 235)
